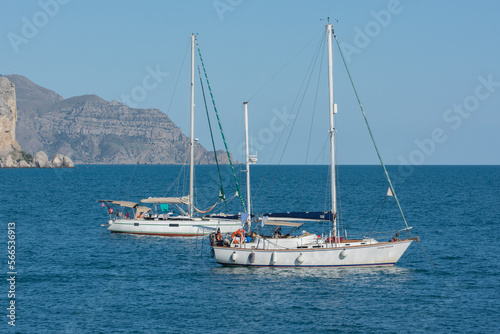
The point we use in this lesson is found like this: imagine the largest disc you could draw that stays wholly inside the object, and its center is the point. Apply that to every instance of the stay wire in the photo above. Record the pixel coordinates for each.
(371, 134)
(380, 213)
(222, 195)
(177, 179)
(339, 197)
(177, 80)
(220, 125)
(312, 66)
(283, 67)
(305, 83)
(130, 181)
(311, 126)
(281, 134)
(426, 254)
(366, 213)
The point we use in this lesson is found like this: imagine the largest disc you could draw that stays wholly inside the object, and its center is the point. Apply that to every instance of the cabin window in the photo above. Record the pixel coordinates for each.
(173, 225)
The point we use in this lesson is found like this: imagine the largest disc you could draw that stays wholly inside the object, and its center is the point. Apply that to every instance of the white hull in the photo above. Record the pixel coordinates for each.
(375, 254)
(173, 227)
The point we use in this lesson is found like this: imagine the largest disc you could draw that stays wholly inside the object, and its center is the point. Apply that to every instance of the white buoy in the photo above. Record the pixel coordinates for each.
(110, 222)
(343, 254)
(234, 256)
(300, 258)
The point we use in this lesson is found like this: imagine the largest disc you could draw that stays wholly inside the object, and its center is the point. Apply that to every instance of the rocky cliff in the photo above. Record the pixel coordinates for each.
(8, 116)
(91, 130)
(11, 155)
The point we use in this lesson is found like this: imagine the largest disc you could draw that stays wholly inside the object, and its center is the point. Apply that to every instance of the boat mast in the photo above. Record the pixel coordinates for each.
(191, 165)
(247, 159)
(332, 112)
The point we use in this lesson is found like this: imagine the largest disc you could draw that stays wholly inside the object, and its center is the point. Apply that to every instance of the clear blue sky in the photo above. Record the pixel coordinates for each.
(428, 75)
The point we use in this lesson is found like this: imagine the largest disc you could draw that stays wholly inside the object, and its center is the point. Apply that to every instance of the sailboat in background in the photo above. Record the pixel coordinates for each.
(130, 217)
(307, 249)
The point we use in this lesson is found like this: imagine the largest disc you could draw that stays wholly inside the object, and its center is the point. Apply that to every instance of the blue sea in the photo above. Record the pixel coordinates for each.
(72, 278)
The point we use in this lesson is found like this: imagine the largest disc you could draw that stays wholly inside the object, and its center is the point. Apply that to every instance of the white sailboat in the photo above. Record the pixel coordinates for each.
(142, 220)
(307, 249)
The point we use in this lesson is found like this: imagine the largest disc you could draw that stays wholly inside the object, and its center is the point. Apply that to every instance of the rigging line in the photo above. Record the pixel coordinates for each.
(231, 198)
(311, 127)
(240, 172)
(426, 253)
(293, 124)
(339, 198)
(187, 156)
(212, 137)
(177, 80)
(327, 199)
(178, 176)
(185, 176)
(219, 202)
(312, 66)
(220, 126)
(195, 189)
(282, 132)
(131, 177)
(283, 67)
(321, 152)
(338, 184)
(228, 201)
(376, 221)
(237, 128)
(366, 213)
(185, 170)
(371, 134)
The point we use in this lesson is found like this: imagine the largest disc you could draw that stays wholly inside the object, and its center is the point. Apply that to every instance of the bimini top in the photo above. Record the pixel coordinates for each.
(126, 204)
(166, 200)
(120, 203)
(140, 210)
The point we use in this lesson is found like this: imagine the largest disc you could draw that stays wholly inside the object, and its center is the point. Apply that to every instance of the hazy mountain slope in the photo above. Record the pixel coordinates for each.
(89, 129)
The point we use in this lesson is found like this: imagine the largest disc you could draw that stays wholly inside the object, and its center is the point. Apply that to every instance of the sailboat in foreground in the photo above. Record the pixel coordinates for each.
(133, 218)
(307, 249)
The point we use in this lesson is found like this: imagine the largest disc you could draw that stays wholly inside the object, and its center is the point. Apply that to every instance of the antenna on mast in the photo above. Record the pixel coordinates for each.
(328, 19)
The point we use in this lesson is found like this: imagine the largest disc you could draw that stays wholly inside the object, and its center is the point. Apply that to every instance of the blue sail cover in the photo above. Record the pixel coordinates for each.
(315, 216)
(226, 216)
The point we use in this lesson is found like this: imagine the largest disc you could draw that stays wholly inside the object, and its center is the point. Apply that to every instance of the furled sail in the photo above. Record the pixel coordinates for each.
(314, 216)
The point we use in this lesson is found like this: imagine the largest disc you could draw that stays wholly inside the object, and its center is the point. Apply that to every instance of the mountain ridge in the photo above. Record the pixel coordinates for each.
(91, 130)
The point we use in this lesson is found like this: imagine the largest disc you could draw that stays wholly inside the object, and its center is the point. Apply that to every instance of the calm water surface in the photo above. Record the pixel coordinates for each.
(73, 279)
